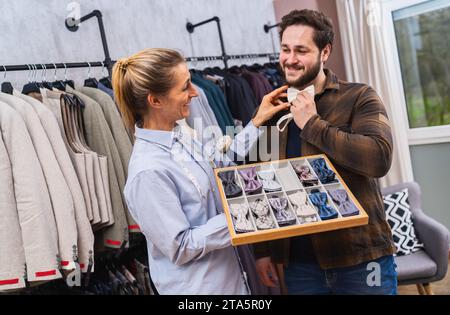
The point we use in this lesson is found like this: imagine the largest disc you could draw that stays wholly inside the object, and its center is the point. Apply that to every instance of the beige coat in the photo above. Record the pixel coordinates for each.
(61, 199)
(84, 231)
(12, 256)
(37, 223)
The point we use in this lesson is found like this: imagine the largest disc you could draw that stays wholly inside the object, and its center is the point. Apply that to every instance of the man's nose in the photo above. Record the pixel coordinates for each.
(292, 59)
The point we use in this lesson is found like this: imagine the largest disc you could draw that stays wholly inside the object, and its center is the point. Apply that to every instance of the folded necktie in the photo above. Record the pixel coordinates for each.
(280, 208)
(346, 207)
(305, 175)
(268, 181)
(326, 175)
(242, 223)
(320, 199)
(292, 95)
(264, 220)
(252, 184)
(302, 208)
(230, 187)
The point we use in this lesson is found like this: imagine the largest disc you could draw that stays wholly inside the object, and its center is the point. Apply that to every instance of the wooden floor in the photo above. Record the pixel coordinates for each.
(439, 288)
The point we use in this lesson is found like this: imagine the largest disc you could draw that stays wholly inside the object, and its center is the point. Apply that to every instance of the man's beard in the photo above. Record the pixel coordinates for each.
(308, 77)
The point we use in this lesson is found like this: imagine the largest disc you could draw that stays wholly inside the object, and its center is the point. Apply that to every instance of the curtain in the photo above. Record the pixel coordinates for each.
(365, 45)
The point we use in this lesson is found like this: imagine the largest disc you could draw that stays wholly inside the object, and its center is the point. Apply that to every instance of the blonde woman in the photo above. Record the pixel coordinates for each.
(171, 191)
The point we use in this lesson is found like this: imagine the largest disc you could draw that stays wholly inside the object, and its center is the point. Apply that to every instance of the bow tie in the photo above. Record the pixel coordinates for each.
(241, 221)
(252, 184)
(304, 174)
(268, 181)
(282, 213)
(230, 187)
(292, 95)
(301, 206)
(346, 207)
(326, 175)
(263, 219)
(320, 200)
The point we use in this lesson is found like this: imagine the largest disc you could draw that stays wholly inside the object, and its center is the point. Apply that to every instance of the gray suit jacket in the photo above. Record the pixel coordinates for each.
(121, 138)
(37, 223)
(12, 256)
(61, 199)
(55, 135)
(100, 139)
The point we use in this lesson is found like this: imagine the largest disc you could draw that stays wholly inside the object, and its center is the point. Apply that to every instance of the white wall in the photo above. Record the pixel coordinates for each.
(33, 31)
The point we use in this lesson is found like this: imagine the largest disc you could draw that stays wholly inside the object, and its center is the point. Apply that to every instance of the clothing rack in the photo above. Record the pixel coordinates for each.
(191, 27)
(73, 26)
(54, 66)
(268, 27)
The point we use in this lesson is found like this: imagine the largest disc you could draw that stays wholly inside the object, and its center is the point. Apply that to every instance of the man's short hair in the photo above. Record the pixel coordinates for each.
(321, 24)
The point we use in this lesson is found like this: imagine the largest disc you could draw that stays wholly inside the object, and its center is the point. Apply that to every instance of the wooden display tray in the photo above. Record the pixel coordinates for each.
(299, 228)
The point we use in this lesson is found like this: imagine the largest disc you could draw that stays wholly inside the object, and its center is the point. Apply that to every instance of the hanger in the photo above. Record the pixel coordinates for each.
(106, 80)
(6, 86)
(68, 82)
(58, 84)
(47, 85)
(91, 82)
(32, 86)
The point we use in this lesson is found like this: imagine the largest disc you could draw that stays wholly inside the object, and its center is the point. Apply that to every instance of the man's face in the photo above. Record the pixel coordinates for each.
(300, 58)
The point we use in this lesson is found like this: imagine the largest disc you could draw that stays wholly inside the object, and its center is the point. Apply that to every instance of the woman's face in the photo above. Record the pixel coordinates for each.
(177, 102)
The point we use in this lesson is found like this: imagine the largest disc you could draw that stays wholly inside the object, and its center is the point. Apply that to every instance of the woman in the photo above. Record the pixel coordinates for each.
(171, 190)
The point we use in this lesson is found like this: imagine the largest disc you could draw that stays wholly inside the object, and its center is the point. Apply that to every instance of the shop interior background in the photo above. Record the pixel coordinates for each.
(33, 32)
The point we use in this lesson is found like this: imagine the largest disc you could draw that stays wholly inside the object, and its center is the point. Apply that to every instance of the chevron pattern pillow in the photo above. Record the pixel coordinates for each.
(399, 217)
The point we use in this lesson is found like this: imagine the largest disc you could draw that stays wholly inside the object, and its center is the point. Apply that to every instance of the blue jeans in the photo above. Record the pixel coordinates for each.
(377, 277)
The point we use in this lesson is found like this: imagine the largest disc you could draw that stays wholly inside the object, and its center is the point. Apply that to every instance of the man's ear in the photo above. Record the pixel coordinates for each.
(326, 52)
(154, 101)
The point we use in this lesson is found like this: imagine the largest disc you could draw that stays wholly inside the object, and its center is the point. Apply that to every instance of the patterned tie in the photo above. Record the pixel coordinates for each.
(242, 223)
(280, 208)
(320, 199)
(346, 207)
(264, 220)
(305, 175)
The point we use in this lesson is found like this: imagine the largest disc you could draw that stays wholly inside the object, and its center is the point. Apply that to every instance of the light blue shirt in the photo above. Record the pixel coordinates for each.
(172, 193)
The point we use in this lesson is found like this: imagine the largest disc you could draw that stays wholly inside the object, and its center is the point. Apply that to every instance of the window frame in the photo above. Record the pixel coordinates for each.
(416, 136)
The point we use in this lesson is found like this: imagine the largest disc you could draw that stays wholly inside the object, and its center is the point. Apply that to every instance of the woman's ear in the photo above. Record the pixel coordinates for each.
(154, 101)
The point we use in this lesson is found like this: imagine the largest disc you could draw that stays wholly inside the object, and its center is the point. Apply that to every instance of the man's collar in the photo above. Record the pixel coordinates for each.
(332, 82)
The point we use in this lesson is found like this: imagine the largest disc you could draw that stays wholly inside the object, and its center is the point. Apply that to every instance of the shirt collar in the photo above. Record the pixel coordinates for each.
(164, 138)
(332, 82)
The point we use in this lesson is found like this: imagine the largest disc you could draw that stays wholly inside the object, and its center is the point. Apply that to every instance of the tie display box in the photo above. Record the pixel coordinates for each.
(286, 198)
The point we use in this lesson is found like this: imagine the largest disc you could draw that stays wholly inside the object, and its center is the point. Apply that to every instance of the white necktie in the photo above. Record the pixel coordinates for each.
(292, 95)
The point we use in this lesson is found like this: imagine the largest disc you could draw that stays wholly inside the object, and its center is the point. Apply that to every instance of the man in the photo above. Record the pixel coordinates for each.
(348, 123)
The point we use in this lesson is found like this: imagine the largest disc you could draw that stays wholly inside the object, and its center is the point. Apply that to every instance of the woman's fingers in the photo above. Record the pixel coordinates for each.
(276, 93)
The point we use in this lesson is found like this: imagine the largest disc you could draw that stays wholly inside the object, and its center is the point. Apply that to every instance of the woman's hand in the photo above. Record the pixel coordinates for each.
(270, 105)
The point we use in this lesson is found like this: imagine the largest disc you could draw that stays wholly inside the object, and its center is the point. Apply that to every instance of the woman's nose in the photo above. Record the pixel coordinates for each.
(193, 92)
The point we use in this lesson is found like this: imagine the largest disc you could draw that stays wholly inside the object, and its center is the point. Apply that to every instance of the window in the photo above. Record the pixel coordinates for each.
(423, 40)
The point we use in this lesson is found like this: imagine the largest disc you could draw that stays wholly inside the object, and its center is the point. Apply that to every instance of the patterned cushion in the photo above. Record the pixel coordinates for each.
(399, 218)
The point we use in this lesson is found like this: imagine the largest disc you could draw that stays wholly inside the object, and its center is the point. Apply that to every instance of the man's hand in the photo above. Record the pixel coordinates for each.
(267, 272)
(270, 105)
(303, 108)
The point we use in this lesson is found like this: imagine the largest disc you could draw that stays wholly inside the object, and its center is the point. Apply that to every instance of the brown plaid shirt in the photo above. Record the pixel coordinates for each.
(352, 129)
